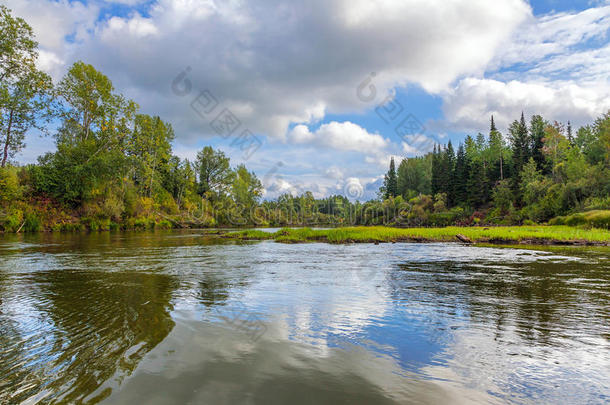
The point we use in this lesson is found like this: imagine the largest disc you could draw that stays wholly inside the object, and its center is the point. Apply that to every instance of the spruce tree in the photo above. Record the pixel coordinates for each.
(435, 183)
(537, 125)
(447, 175)
(496, 153)
(460, 177)
(391, 181)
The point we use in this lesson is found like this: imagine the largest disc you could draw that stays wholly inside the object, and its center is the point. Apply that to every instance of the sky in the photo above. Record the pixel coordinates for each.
(318, 95)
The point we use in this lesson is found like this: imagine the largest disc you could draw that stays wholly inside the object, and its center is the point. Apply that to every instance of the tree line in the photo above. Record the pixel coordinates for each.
(541, 170)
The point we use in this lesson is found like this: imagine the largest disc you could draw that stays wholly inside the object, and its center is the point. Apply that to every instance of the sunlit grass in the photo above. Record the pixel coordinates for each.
(532, 234)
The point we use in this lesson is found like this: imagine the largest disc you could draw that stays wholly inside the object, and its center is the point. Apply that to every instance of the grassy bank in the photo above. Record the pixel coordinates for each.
(544, 235)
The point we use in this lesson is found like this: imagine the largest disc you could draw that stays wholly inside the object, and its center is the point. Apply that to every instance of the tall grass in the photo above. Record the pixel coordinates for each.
(532, 234)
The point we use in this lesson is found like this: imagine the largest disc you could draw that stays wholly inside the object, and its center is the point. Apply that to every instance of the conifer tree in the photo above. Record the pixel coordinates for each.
(435, 182)
(447, 174)
(520, 141)
(391, 181)
(537, 126)
(496, 153)
(460, 177)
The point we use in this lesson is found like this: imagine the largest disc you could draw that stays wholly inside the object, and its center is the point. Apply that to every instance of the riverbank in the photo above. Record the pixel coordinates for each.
(530, 235)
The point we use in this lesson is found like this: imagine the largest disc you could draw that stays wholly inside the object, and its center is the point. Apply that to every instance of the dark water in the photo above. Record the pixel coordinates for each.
(170, 318)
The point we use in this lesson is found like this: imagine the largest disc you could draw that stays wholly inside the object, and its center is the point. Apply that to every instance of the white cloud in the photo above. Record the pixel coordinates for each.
(289, 62)
(545, 68)
(341, 136)
(474, 100)
(555, 34)
(58, 26)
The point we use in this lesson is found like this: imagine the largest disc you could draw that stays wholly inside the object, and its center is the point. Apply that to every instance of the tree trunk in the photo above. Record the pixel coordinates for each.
(8, 139)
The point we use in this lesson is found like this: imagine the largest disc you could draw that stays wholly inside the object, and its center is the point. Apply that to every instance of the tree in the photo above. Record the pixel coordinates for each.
(570, 136)
(496, 153)
(414, 175)
(555, 145)
(25, 92)
(149, 145)
(460, 176)
(391, 181)
(92, 107)
(214, 171)
(246, 188)
(179, 178)
(520, 143)
(448, 165)
(537, 127)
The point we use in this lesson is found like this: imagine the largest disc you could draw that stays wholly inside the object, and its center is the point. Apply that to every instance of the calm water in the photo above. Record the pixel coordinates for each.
(159, 318)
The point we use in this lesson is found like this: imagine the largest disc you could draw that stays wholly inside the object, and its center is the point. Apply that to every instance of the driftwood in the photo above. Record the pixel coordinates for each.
(463, 238)
(20, 227)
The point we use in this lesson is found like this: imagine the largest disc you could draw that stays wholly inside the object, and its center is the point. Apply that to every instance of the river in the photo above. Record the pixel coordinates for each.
(183, 317)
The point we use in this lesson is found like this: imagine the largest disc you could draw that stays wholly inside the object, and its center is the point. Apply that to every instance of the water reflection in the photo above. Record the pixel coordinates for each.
(159, 318)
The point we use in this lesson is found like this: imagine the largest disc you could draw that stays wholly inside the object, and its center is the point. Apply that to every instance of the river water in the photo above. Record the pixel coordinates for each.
(181, 317)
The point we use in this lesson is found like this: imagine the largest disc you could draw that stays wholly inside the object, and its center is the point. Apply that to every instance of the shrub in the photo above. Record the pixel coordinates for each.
(12, 221)
(164, 224)
(32, 223)
(9, 184)
(594, 219)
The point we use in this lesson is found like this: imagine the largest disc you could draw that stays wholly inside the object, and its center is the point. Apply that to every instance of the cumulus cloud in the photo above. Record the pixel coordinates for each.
(474, 100)
(58, 25)
(341, 136)
(287, 62)
(543, 68)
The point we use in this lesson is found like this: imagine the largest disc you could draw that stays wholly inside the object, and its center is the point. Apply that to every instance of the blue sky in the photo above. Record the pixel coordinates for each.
(290, 73)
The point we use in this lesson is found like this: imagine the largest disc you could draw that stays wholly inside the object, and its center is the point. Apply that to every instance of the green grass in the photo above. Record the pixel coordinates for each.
(519, 234)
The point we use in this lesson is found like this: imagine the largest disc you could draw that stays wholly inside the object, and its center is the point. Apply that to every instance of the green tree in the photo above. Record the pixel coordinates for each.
(555, 146)
(214, 172)
(520, 143)
(246, 189)
(149, 146)
(536, 131)
(391, 181)
(92, 108)
(460, 177)
(496, 153)
(448, 166)
(414, 176)
(25, 92)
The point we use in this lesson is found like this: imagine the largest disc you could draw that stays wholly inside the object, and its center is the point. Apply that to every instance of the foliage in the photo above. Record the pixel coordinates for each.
(25, 92)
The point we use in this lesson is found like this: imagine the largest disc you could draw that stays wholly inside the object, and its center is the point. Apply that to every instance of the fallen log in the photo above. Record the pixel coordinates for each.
(464, 239)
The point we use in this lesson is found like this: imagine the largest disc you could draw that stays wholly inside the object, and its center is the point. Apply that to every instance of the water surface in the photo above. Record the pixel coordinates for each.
(180, 317)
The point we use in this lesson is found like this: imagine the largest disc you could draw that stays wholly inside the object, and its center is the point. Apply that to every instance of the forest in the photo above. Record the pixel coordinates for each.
(539, 172)
(114, 168)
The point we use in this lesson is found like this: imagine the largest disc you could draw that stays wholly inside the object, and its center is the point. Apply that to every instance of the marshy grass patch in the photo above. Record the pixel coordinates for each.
(559, 234)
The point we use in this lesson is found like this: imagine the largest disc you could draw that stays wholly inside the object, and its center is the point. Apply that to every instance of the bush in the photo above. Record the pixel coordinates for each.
(9, 184)
(164, 224)
(594, 219)
(12, 221)
(32, 223)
